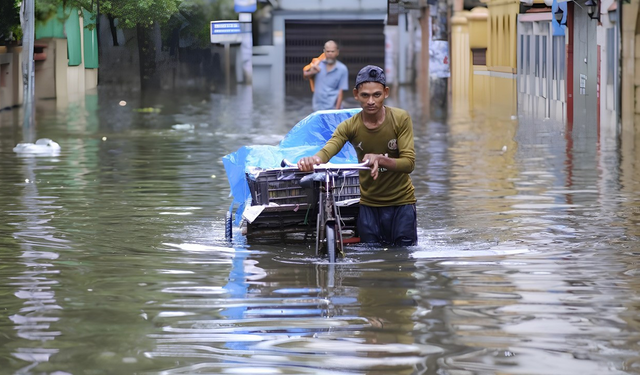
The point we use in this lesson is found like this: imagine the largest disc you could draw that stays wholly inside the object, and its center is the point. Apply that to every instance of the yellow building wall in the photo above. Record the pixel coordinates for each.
(470, 83)
(478, 38)
(501, 56)
(503, 99)
(478, 18)
(492, 88)
(630, 130)
(481, 88)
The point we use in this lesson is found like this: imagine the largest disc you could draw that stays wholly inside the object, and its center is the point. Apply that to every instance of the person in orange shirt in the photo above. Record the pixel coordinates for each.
(330, 78)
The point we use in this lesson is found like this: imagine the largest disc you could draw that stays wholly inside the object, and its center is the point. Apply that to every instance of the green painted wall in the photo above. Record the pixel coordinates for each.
(74, 45)
(66, 25)
(54, 26)
(90, 40)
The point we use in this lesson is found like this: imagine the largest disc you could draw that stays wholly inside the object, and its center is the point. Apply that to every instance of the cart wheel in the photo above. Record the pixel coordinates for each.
(228, 227)
(330, 236)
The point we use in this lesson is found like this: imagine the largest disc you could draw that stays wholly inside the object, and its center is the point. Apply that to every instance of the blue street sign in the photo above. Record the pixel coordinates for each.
(228, 31)
(245, 6)
(225, 27)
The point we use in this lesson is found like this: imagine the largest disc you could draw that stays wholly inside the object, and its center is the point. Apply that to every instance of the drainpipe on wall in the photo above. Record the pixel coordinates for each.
(619, 75)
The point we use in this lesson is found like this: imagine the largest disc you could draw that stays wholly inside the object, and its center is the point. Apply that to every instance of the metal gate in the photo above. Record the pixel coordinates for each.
(361, 43)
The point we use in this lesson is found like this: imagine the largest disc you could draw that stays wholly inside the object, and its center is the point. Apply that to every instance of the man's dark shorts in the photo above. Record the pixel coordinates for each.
(395, 225)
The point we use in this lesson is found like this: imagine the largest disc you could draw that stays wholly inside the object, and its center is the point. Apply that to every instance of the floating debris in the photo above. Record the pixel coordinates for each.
(183, 127)
(148, 110)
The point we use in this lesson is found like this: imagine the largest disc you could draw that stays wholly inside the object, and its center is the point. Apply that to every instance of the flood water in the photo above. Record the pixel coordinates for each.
(113, 258)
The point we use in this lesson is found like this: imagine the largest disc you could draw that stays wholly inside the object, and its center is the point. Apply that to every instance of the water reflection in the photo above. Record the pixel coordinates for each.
(115, 256)
(301, 323)
(36, 282)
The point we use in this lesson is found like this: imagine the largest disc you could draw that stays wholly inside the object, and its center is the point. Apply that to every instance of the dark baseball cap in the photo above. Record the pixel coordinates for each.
(371, 73)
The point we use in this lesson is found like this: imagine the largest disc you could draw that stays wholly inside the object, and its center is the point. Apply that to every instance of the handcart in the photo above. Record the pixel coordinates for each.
(269, 199)
(282, 207)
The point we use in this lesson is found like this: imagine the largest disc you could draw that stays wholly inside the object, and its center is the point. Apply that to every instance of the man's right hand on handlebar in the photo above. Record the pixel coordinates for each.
(306, 163)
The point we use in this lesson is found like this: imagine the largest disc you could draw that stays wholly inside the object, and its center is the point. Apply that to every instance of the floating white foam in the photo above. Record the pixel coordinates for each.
(455, 253)
(200, 248)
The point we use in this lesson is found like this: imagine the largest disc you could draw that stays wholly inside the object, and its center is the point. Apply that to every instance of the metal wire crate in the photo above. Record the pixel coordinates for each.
(291, 209)
(279, 186)
(282, 186)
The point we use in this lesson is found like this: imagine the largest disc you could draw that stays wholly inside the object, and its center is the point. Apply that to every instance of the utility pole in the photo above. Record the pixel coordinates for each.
(27, 15)
(440, 36)
(423, 76)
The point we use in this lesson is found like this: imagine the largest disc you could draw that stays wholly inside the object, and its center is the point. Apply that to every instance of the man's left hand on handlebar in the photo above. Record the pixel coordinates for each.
(306, 163)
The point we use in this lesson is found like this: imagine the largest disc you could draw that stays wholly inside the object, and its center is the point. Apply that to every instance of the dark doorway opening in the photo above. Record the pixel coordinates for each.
(361, 43)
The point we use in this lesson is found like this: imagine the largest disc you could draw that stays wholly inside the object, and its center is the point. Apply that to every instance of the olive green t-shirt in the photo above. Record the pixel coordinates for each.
(393, 137)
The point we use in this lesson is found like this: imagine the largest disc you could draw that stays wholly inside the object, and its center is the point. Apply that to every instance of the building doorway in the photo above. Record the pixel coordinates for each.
(361, 43)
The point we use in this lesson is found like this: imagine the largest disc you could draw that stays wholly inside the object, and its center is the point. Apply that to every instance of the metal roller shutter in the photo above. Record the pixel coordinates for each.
(361, 42)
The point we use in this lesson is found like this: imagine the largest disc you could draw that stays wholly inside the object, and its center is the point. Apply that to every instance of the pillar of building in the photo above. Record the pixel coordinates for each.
(460, 66)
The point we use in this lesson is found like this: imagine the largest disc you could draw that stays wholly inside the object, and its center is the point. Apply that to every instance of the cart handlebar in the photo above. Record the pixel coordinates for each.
(329, 166)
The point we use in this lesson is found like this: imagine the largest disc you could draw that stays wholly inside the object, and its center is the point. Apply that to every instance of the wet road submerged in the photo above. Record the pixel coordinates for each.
(114, 261)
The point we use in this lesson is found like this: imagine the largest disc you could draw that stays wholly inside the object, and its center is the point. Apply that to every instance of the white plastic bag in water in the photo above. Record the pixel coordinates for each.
(42, 147)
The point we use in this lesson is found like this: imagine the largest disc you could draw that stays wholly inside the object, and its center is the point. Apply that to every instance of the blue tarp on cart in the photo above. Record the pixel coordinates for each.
(305, 139)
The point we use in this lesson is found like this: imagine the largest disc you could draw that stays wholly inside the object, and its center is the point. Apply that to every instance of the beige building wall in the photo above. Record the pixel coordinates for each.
(7, 79)
(54, 78)
(75, 81)
(61, 64)
(90, 79)
(18, 87)
(45, 71)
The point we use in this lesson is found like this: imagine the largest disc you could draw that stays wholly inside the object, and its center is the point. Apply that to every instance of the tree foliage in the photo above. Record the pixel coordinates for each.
(10, 28)
(45, 9)
(192, 17)
(131, 13)
(9, 20)
(192, 20)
